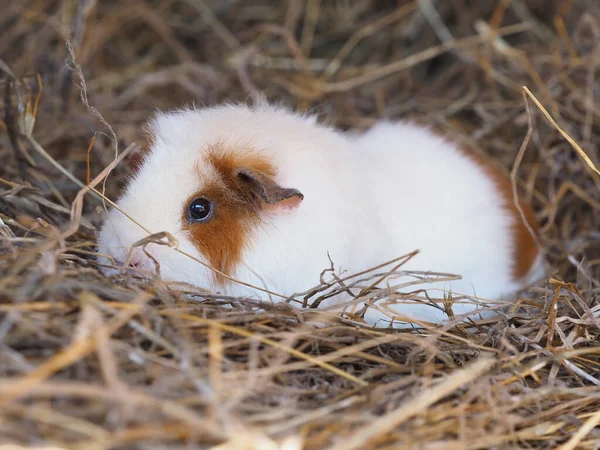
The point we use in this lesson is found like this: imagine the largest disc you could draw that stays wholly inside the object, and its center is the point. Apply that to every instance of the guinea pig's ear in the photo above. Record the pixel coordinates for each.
(274, 197)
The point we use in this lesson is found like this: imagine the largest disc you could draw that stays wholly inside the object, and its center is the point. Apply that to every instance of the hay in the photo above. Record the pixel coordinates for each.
(90, 362)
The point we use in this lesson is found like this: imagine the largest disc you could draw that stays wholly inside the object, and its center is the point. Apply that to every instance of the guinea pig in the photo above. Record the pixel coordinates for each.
(271, 197)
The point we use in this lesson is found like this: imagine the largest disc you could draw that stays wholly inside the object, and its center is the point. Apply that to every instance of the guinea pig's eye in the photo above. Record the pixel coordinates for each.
(200, 210)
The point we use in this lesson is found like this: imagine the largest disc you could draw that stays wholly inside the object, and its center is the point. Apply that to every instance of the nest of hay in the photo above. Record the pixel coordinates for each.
(93, 362)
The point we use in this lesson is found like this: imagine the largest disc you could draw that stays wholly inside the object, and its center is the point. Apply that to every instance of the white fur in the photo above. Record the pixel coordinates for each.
(367, 199)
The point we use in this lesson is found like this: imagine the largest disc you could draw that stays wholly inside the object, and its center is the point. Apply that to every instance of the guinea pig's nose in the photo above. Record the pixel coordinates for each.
(141, 259)
(133, 259)
(124, 259)
(136, 259)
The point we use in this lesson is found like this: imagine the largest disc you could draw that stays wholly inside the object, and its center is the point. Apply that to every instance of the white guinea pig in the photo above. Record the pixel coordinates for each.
(267, 196)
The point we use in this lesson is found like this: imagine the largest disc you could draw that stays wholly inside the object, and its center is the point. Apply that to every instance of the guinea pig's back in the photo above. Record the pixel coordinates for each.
(436, 197)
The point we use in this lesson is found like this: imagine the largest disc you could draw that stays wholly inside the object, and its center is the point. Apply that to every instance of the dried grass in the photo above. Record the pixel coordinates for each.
(90, 362)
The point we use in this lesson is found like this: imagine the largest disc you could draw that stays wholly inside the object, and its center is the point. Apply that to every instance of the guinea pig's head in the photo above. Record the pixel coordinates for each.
(209, 178)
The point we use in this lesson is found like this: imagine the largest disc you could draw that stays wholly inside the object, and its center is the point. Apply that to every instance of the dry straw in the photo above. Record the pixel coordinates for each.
(96, 363)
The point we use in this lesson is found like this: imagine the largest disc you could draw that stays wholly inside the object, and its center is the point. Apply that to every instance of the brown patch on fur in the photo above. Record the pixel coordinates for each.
(226, 162)
(224, 237)
(526, 249)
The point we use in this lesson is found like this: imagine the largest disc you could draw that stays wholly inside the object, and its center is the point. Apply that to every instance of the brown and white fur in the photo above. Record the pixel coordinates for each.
(288, 193)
